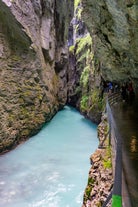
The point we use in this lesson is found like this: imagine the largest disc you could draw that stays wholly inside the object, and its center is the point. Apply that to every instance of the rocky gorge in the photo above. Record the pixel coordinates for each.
(33, 54)
(106, 50)
(50, 56)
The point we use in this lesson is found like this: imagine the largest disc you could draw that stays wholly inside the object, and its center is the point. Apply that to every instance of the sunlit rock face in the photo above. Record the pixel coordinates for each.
(113, 25)
(33, 63)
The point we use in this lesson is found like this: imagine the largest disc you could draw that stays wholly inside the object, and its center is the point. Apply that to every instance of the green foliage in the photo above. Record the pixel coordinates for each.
(78, 15)
(91, 181)
(71, 49)
(108, 151)
(106, 129)
(107, 162)
(83, 42)
(86, 55)
(76, 27)
(88, 191)
(85, 76)
(76, 3)
(97, 102)
(84, 103)
(82, 57)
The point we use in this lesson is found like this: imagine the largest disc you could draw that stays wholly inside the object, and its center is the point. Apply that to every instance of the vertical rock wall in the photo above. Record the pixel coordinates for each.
(113, 25)
(111, 55)
(83, 75)
(33, 57)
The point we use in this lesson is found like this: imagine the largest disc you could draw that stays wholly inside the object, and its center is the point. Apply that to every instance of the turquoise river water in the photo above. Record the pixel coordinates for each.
(50, 169)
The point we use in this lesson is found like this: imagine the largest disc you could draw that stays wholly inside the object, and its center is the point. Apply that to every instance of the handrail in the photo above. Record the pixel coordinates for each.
(107, 200)
(116, 194)
(117, 188)
(114, 97)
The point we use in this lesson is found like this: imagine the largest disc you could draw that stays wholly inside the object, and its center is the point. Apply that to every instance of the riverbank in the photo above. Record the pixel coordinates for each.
(100, 179)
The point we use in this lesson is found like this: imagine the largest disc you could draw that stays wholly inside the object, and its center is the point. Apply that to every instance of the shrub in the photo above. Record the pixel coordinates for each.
(84, 103)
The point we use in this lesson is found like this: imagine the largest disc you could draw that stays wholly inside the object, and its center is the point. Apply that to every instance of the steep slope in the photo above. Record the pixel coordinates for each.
(84, 77)
(106, 51)
(113, 25)
(33, 57)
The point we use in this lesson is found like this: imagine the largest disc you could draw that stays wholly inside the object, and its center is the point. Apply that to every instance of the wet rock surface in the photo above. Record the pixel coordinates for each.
(32, 88)
(113, 26)
(100, 180)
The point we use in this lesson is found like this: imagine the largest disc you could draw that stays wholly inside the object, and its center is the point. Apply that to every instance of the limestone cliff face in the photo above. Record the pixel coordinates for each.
(113, 25)
(83, 75)
(33, 62)
(111, 53)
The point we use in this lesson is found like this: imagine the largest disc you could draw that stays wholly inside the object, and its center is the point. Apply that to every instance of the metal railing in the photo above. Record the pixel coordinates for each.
(117, 148)
(115, 141)
(113, 98)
